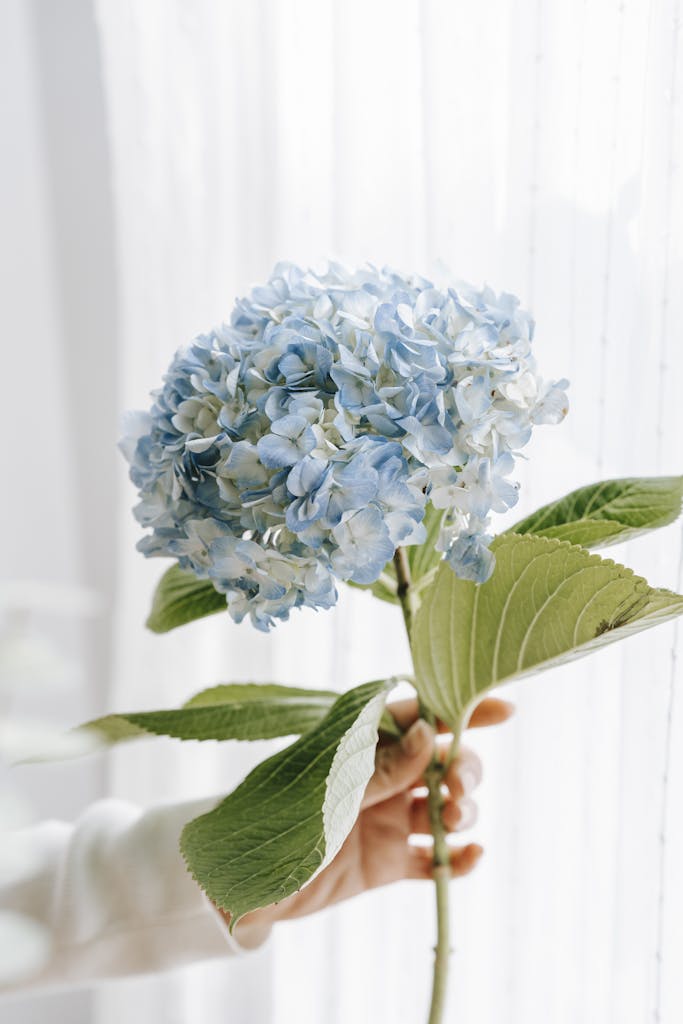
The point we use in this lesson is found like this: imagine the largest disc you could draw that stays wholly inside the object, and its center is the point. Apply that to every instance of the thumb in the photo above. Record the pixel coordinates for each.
(401, 765)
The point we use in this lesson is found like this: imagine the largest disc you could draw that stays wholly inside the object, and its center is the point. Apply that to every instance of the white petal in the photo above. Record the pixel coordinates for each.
(200, 444)
(406, 313)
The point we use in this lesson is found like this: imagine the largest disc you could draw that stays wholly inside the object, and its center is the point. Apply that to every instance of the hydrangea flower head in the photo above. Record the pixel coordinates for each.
(300, 443)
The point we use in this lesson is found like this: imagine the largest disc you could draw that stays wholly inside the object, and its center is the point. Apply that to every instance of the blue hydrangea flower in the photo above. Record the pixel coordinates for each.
(300, 443)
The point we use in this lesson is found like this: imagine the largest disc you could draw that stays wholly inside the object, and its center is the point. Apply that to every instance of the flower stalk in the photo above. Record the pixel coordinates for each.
(434, 779)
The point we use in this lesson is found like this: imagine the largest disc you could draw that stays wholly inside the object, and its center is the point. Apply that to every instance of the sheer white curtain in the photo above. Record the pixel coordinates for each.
(533, 144)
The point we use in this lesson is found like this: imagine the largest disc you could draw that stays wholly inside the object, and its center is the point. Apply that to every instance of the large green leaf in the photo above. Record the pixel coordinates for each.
(232, 711)
(181, 597)
(547, 602)
(291, 814)
(608, 512)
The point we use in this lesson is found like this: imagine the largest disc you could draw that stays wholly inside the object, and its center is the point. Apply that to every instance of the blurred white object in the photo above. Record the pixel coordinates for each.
(30, 661)
(24, 947)
(25, 739)
(17, 856)
(109, 896)
(56, 598)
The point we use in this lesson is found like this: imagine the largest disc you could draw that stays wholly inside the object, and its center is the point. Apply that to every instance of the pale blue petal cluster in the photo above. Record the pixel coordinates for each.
(299, 443)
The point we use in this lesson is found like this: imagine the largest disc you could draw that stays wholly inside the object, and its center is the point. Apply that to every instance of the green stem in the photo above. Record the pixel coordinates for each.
(434, 779)
(442, 875)
(403, 588)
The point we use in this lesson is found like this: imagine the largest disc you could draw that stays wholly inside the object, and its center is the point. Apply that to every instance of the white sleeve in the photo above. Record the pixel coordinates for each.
(115, 895)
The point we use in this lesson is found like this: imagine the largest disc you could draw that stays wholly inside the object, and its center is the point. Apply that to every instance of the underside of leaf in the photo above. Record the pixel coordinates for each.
(547, 602)
(181, 597)
(291, 814)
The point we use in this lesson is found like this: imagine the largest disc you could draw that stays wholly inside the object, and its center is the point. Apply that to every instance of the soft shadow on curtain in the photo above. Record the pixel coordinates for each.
(534, 145)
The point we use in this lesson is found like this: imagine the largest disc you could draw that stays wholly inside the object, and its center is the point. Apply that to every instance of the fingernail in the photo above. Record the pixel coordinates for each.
(468, 779)
(417, 736)
(468, 815)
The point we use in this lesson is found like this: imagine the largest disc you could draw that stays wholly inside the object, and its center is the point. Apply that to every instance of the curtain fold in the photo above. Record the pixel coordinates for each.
(535, 145)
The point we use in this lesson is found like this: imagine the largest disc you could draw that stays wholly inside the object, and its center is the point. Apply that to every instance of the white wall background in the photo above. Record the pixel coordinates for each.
(165, 154)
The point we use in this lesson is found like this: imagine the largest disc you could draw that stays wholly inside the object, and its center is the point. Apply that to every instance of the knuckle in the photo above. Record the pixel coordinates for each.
(385, 764)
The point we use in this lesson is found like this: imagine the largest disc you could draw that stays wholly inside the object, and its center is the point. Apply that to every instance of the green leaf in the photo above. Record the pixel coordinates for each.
(546, 603)
(384, 588)
(181, 597)
(423, 558)
(291, 814)
(113, 729)
(609, 512)
(232, 711)
(388, 726)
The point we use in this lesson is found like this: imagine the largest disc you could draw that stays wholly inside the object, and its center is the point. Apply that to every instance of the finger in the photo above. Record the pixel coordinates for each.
(400, 765)
(490, 711)
(462, 860)
(464, 773)
(418, 815)
(457, 815)
(405, 712)
(469, 813)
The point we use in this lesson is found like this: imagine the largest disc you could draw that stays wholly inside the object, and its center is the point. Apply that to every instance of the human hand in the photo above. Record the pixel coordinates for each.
(377, 851)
